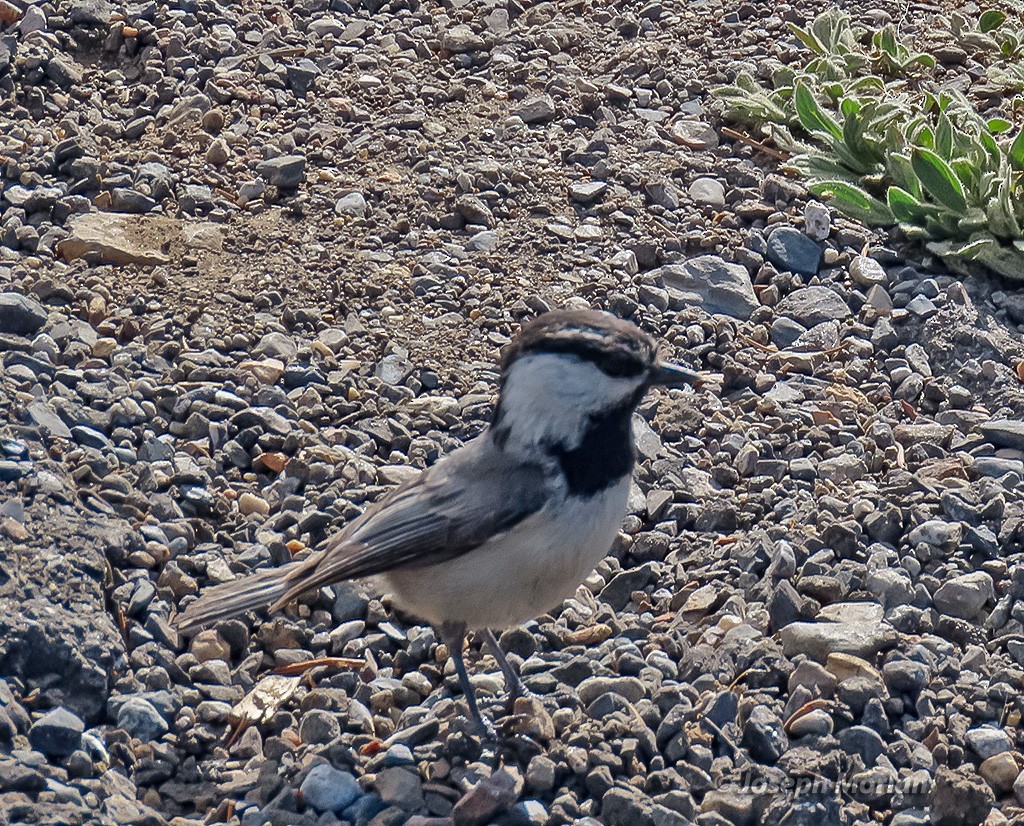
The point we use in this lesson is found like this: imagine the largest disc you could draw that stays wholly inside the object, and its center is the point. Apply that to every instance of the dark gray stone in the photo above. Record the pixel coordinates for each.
(57, 733)
(20, 315)
(789, 249)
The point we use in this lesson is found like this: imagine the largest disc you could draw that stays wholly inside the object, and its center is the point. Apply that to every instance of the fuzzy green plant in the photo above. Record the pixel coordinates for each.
(870, 137)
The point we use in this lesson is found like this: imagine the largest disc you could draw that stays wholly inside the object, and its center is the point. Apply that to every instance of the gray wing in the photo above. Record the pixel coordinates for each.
(452, 508)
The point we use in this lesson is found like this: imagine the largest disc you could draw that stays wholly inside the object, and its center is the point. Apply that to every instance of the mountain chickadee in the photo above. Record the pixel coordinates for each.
(503, 529)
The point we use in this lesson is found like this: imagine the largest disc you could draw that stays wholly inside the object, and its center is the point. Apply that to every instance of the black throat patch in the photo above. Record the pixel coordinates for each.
(604, 456)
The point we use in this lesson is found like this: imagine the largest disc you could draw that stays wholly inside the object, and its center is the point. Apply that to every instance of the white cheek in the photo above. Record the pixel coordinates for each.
(547, 398)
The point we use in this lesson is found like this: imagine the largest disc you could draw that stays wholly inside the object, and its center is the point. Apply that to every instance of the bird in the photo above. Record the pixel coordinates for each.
(504, 528)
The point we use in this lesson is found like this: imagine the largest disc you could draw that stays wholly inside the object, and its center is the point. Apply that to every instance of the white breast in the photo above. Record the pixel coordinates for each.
(521, 574)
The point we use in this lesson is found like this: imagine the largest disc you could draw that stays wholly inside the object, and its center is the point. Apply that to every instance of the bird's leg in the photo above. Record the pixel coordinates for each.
(513, 684)
(454, 635)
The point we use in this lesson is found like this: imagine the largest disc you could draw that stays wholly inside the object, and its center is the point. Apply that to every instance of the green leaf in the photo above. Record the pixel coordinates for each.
(819, 166)
(1016, 151)
(812, 116)
(807, 38)
(997, 126)
(902, 172)
(944, 137)
(885, 39)
(939, 180)
(1005, 261)
(925, 60)
(991, 20)
(904, 207)
(855, 202)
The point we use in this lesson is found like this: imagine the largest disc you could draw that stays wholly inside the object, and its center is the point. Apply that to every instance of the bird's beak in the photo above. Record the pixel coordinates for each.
(667, 374)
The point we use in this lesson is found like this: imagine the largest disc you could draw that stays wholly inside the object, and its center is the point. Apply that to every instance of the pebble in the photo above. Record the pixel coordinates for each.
(141, 719)
(789, 249)
(813, 305)
(708, 191)
(353, 204)
(817, 221)
(328, 789)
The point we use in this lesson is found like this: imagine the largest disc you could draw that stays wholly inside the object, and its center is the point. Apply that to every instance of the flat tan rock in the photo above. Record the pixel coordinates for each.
(142, 240)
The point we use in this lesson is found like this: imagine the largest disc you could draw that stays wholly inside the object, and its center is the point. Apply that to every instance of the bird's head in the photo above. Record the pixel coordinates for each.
(566, 369)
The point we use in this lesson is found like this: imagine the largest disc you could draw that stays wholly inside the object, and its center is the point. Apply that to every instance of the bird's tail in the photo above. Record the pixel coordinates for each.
(232, 598)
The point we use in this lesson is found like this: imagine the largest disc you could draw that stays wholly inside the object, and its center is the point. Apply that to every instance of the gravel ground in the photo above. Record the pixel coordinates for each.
(257, 262)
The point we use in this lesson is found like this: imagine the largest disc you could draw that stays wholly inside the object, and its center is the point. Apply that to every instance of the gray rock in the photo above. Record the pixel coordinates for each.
(484, 241)
(537, 109)
(141, 719)
(626, 806)
(460, 39)
(785, 332)
(618, 590)
(819, 639)
(708, 191)
(57, 733)
(629, 688)
(789, 249)
(937, 533)
(277, 345)
(817, 221)
(43, 417)
(709, 282)
(922, 306)
(394, 369)
(586, 192)
(286, 172)
(867, 272)
(813, 305)
(474, 210)
(353, 204)
(250, 191)
(663, 193)
(319, 726)
(20, 315)
(862, 741)
(959, 797)
(964, 596)
(763, 736)
(400, 787)
(1002, 432)
(988, 741)
(489, 798)
(327, 789)
(90, 12)
(842, 468)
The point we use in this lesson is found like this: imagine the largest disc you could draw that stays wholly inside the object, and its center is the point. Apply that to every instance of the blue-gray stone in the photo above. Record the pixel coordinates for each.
(364, 809)
(90, 437)
(398, 755)
(141, 719)
(863, 741)
(57, 733)
(328, 789)
(20, 315)
(785, 332)
(789, 249)
(10, 471)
